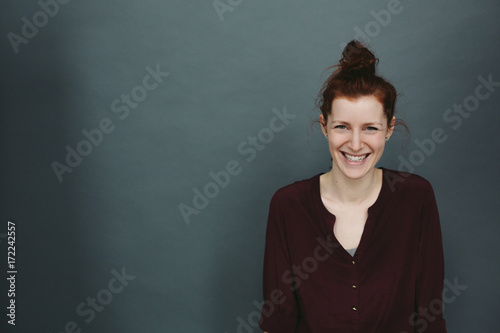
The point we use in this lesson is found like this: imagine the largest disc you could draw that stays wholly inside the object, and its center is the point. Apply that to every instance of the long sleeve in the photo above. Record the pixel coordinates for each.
(430, 269)
(392, 284)
(280, 310)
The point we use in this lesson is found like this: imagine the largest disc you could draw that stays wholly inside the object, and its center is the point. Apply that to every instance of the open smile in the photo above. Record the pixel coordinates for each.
(355, 158)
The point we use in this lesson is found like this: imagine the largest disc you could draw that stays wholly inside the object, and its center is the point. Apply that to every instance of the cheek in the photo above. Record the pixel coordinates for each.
(378, 142)
(381, 145)
(335, 141)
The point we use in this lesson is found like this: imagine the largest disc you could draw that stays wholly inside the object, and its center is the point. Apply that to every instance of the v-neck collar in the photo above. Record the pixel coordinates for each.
(329, 218)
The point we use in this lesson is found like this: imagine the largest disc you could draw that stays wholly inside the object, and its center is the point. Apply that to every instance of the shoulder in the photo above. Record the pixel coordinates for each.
(401, 181)
(297, 192)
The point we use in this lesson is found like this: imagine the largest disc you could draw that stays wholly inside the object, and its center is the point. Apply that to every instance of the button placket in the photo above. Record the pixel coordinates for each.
(354, 294)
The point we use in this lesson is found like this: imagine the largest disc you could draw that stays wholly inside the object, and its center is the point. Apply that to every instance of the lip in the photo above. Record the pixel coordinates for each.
(355, 163)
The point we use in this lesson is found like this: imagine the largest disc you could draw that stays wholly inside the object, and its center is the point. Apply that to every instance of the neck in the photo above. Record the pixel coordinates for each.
(351, 191)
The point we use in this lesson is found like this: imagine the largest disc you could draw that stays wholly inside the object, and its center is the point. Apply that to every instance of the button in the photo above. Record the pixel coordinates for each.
(354, 308)
(353, 262)
(354, 286)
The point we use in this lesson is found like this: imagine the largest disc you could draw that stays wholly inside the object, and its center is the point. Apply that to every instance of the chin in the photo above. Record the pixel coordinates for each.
(355, 174)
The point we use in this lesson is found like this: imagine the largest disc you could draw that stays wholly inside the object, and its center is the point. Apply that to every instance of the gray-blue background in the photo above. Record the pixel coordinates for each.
(119, 208)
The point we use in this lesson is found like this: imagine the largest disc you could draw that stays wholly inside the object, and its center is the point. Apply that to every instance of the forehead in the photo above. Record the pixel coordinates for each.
(366, 108)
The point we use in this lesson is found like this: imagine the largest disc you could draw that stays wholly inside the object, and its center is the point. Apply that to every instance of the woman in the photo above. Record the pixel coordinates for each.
(356, 249)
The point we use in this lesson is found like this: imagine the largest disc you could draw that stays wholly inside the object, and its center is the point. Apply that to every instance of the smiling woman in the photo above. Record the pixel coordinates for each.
(356, 133)
(379, 227)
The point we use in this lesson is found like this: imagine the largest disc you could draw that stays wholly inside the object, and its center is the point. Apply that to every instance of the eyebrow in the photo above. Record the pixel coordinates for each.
(365, 124)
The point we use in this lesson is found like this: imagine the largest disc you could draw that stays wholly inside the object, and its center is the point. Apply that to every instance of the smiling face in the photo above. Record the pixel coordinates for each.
(356, 132)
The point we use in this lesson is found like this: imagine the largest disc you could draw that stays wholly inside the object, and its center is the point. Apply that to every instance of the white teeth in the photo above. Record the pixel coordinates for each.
(355, 158)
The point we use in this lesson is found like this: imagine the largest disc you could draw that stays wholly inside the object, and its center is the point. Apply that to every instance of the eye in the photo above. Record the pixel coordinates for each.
(371, 128)
(340, 126)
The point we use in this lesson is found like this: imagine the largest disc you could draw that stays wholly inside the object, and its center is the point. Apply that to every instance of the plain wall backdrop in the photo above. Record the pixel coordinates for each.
(116, 115)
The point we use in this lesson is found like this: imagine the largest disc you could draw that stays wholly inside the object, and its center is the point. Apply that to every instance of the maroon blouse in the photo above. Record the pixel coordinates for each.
(392, 284)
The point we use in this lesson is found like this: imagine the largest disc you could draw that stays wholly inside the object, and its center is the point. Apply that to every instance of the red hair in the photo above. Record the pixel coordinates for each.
(356, 77)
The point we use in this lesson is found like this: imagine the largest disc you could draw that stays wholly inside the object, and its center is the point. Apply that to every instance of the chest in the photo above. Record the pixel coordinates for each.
(349, 225)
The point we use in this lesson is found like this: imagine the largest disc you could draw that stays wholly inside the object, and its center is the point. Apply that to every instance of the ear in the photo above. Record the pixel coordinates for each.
(390, 130)
(323, 124)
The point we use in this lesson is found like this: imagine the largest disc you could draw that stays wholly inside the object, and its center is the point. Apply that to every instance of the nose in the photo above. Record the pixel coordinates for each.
(355, 141)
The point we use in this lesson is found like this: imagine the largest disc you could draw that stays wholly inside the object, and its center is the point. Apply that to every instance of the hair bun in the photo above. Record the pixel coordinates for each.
(357, 57)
